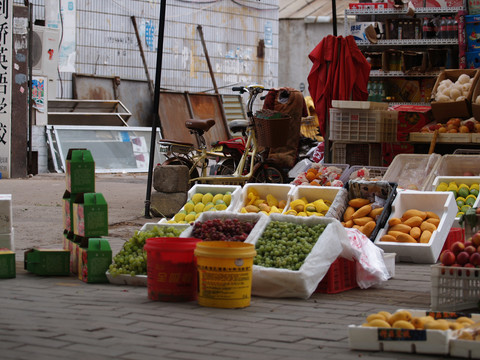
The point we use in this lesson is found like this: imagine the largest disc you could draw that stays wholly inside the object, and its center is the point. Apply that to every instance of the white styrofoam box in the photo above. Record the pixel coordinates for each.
(300, 167)
(469, 349)
(258, 218)
(150, 226)
(467, 180)
(7, 240)
(124, 279)
(280, 191)
(364, 105)
(312, 193)
(389, 260)
(441, 203)
(424, 341)
(5, 213)
(279, 283)
(235, 191)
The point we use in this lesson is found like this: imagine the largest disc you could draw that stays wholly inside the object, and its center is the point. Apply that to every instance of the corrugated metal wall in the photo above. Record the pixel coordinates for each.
(107, 45)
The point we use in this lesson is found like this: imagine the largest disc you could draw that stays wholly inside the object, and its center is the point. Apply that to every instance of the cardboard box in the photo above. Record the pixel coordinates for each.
(357, 30)
(402, 90)
(72, 247)
(472, 32)
(67, 210)
(473, 59)
(474, 105)
(90, 215)
(42, 261)
(411, 118)
(93, 261)
(443, 3)
(80, 171)
(441, 203)
(7, 264)
(443, 111)
(5, 213)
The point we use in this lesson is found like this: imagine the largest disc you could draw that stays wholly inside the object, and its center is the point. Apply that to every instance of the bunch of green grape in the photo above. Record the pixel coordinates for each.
(132, 258)
(286, 245)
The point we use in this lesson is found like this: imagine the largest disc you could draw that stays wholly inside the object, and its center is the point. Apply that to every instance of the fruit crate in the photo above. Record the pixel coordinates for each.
(455, 234)
(411, 171)
(341, 276)
(372, 172)
(442, 138)
(467, 180)
(454, 288)
(312, 193)
(280, 191)
(368, 154)
(363, 125)
(456, 165)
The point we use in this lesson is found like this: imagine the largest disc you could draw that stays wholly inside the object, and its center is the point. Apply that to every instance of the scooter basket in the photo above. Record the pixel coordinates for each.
(272, 132)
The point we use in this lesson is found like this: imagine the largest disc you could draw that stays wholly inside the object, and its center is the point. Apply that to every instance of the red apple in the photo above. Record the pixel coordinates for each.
(463, 257)
(476, 239)
(475, 259)
(470, 249)
(469, 242)
(457, 247)
(468, 265)
(447, 258)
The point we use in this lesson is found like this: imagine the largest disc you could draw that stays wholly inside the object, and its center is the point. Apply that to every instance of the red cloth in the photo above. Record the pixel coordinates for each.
(339, 72)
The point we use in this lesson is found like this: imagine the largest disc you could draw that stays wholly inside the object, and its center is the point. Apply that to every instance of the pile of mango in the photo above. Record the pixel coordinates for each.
(254, 203)
(200, 203)
(465, 196)
(301, 207)
(403, 319)
(361, 215)
(414, 226)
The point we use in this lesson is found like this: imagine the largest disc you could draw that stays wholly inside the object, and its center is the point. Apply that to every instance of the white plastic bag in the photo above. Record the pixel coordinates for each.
(278, 283)
(370, 266)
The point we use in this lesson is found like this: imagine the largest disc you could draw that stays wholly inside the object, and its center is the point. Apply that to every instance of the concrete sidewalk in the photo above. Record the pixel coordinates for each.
(62, 317)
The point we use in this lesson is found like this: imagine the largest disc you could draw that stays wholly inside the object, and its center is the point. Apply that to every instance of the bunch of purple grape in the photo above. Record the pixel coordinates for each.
(222, 230)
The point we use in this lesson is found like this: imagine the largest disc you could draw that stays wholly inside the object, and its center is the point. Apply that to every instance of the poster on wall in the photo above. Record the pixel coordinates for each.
(66, 60)
(6, 30)
(38, 93)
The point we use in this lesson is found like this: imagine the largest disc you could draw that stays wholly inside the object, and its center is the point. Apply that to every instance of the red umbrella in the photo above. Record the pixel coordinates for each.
(339, 72)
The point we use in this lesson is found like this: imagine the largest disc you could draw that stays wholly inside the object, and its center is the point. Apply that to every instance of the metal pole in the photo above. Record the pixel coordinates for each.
(156, 101)
(200, 31)
(334, 17)
(30, 80)
(142, 54)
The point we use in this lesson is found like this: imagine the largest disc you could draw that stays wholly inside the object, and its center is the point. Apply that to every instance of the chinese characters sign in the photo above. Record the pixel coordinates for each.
(6, 7)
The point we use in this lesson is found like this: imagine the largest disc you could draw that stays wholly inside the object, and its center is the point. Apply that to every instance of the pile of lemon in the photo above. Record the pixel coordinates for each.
(465, 196)
(302, 207)
(201, 203)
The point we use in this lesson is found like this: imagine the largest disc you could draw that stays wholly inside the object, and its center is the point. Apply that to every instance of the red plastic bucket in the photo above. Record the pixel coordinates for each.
(171, 269)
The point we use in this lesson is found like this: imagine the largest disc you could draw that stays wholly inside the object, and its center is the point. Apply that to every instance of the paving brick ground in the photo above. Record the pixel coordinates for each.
(62, 317)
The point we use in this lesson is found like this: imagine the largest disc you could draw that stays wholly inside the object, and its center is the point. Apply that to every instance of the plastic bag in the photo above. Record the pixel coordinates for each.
(370, 267)
(280, 283)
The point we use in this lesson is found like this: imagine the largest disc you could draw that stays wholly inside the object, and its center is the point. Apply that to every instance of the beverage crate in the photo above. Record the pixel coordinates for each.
(363, 125)
(369, 154)
(412, 171)
(454, 288)
(371, 173)
(341, 276)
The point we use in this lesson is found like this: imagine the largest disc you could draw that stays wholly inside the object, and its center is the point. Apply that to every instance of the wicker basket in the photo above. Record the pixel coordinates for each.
(272, 132)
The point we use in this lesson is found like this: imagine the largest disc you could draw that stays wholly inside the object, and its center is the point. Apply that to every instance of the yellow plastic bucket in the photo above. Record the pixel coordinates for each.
(224, 273)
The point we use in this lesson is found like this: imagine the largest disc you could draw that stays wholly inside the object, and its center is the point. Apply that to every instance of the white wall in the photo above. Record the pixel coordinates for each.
(297, 40)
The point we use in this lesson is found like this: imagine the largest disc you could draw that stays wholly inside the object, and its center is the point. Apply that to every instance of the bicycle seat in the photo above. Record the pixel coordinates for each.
(238, 125)
(199, 124)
